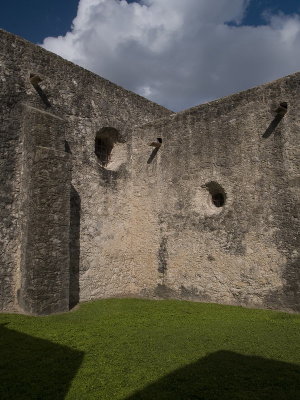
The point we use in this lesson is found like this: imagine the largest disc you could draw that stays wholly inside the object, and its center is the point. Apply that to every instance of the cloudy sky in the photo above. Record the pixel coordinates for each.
(178, 53)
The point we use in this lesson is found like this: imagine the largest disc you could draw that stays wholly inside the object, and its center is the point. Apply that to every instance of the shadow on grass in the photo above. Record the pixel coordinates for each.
(32, 368)
(225, 375)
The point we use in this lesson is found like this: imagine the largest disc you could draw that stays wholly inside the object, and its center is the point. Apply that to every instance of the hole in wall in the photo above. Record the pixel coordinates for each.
(217, 194)
(282, 109)
(105, 141)
(35, 81)
(67, 147)
(103, 149)
(218, 199)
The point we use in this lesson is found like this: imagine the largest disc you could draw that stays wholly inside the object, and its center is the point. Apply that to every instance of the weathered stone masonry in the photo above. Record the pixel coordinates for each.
(90, 210)
(46, 182)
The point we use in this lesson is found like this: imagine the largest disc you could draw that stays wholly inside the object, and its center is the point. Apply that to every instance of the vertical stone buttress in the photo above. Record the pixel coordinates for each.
(46, 179)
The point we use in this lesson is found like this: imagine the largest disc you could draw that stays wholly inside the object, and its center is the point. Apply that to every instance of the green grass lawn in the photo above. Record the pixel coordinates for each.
(141, 349)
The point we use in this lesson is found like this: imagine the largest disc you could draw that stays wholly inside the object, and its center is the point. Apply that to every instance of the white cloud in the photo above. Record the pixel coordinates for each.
(179, 53)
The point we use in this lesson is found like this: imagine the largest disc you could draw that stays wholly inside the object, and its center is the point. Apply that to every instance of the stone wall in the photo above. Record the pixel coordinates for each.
(10, 126)
(245, 252)
(212, 214)
(87, 104)
(45, 214)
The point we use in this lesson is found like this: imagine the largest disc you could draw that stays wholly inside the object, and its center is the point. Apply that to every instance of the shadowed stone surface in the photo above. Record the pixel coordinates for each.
(46, 179)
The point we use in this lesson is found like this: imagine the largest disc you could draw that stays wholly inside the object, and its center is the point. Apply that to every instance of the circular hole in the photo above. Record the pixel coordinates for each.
(217, 194)
(104, 143)
(218, 199)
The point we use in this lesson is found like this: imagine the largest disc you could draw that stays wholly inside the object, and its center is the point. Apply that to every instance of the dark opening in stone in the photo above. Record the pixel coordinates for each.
(218, 199)
(217, 193)
(103, 148)
(104, 143)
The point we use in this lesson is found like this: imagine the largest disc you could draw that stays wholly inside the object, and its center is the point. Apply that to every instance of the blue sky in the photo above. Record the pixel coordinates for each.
(36, 19)
(178, 53)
